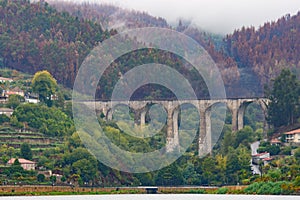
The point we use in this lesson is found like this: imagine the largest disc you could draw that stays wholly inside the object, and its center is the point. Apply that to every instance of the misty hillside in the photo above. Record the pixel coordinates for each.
(109, 16)
(122, 19)
(36, 36)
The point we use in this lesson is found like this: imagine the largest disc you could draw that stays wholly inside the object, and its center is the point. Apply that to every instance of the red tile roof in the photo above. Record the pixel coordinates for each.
(275, 140)
(292, 132)
(260, 154)
(267, 159)
(21, 161)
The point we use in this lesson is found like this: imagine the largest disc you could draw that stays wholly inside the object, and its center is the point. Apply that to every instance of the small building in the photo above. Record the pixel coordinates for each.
(32, 98)
(3, 80)
(6, 111)
(267, 160)
(292, 136)
(15, 90)
(25, 164)
(3, 99)
(260, 157)
(46, 173)
(275, 142)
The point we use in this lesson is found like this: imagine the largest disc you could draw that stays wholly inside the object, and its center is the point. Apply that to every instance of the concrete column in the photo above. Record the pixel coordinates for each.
(170, 136)
(109, 115)
(205, 132)
(241, 113)
(175, 129)
(234, 110)
(104, 110)
(143, 118)
(208, 137)
(172, 128)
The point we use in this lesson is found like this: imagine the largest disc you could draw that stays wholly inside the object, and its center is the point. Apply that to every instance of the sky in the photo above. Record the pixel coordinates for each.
(218, 16)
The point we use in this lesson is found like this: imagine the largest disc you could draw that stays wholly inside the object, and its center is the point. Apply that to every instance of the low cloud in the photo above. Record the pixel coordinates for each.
(218, 16)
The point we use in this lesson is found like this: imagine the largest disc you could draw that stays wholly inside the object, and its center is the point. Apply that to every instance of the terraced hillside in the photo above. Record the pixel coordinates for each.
(37, 141)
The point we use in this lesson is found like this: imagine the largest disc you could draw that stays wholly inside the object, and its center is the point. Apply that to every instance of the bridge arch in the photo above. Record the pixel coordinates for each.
(236, 106)
(263, 104)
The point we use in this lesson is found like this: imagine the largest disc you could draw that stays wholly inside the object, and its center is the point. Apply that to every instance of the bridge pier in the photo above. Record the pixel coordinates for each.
(143, 118)
(172, 129)
(236, 106)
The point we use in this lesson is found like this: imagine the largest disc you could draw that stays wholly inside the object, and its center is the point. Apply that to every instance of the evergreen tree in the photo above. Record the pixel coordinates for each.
(284, 98)
(26, 151)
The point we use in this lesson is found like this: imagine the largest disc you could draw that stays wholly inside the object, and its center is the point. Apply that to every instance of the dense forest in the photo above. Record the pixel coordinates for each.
(109, 16)
(114, 17)
(35, 37)
(249, 58)
(269, 49)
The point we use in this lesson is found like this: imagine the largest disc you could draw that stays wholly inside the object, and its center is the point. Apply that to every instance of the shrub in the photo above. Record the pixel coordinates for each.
(297, 181)
(269, 188)
(222, 190)
(40, 178)
(4, 118)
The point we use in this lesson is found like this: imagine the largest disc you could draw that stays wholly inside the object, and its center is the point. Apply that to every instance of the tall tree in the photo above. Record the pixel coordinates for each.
(26, 151)
(45, 85)
(14, 100)
(284, 97)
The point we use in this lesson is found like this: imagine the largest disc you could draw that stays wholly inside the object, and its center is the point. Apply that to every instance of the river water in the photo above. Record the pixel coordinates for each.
(157, 197)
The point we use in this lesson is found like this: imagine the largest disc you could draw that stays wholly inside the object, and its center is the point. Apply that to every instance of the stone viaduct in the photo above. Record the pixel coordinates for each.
(237, 108)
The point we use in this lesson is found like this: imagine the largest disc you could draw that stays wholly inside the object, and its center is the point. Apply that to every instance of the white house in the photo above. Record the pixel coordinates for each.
(31, 100)
(6, 111)
(25, 164)
(261, 157)
(3, 80)
(293, 136)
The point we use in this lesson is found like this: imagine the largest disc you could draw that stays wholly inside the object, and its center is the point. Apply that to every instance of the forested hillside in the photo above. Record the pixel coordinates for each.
(35, 37)
(269, 49)
(122, 19)
(109, 16)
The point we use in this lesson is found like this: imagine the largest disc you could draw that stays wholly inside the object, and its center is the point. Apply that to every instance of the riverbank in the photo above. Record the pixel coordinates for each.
(26, 190)
(156, 197)
(36, 190)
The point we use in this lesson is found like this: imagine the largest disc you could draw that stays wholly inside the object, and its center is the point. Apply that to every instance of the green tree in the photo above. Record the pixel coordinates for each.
(50, 121)
(221, 167)
(53, 179)
(284, 97)
(26, 151)
(190, 176)
(87, 169)
(14, 100)
(209, 170)
(233, 166)
(10, 152)
(45, 85)
(4, 118)
(14, 168)
(244, 157)
(244, 136)
(40, 178)
(169, 176)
